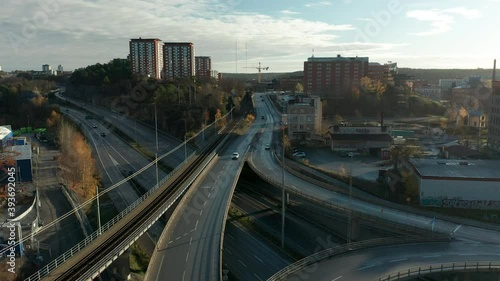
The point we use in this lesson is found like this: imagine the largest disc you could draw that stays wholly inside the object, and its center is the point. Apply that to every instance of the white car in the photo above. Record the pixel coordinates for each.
(300, 154)
(235, 156)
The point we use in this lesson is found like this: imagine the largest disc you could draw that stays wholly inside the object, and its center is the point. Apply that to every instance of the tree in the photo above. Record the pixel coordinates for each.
(299, 88)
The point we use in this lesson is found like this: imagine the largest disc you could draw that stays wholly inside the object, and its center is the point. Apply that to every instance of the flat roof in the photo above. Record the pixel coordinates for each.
(21, 152)
(457, 169)
(4, 131)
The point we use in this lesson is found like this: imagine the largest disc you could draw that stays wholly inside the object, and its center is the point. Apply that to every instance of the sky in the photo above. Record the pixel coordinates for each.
(238, 34)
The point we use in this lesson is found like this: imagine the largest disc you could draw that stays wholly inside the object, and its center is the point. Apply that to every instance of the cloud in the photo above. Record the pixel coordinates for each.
(288, 12)
(80, 33)
(318, 4)
(364, 19)
(442, 20)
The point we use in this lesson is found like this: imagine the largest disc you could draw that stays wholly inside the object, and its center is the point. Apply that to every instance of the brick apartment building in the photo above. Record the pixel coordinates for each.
(178, 60)
(203, 67)
(333, 77)
(146, 57)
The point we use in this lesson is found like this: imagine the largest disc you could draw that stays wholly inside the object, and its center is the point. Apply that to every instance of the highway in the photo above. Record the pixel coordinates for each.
(373, 263)
(143, 134)
(249, 257)
(190, 246)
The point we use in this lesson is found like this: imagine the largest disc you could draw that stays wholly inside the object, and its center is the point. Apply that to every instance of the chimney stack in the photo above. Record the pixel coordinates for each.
(494, 70)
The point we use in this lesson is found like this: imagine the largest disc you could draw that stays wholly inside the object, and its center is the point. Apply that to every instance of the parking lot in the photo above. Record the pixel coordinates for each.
(365, 167)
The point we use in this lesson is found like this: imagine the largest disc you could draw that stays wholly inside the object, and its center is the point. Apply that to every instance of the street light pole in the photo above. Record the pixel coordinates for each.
(349, 212)
(156, 153)
(283, 187)
(185, 140)
(98, 210)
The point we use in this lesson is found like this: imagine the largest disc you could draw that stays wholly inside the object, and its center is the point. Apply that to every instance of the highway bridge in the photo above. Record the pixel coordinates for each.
(216, 204)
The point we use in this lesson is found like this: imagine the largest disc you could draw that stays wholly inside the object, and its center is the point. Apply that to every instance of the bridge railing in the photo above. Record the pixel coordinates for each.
(472, 266)
(335, 251)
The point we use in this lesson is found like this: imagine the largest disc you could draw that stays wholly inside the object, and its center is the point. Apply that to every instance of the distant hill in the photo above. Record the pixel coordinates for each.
(431, 75)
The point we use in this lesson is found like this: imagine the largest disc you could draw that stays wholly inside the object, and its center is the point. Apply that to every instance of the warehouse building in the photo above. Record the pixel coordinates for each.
(375, 140)
(465, 184)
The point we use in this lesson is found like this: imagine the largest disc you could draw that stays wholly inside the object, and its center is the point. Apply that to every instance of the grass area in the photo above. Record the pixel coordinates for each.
(250, 224)
(139, 260)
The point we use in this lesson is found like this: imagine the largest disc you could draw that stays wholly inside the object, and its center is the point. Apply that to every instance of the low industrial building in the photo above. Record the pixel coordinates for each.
(465, 184)
(374, 140)
(22, 156)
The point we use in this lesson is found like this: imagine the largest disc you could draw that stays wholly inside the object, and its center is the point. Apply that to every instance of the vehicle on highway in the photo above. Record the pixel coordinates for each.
(235, 156)
(300, 154)
(94, 126)
(267, 146)
(263, 117)
(103, 134)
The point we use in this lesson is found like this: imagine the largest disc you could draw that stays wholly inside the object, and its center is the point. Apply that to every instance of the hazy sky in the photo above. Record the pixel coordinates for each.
(279, 33)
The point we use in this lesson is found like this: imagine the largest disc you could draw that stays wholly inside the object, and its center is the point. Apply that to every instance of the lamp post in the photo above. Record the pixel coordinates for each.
(283, 185)
(349, 212)
(156, 153)
(27, 129)
(98, 209)
(185, 140)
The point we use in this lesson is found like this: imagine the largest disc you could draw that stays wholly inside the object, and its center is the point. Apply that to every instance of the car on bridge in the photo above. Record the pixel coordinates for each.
(235, 156)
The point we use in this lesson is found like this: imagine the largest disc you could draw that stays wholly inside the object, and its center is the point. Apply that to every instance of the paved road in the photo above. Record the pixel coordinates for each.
(249, 257)
(370, 264)
(142, 133)
(190, 249)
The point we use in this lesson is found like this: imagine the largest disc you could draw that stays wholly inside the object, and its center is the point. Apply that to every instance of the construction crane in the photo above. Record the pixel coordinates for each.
(259, 68)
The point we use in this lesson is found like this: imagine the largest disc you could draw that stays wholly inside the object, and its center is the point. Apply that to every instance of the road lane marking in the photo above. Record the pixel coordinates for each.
(178, 238)
(467, 254)
(230, 236)
(187, 256)
(204, 204)
(337, 278)
(183, 275)
(398, 260)
(242, 263)
(196, 225)
(190, 240)
(431, 256)
(159, 268)
(258, 258)
(185, 234)
(255, 274)
(201, 212)
(229, 251)
(365, 267)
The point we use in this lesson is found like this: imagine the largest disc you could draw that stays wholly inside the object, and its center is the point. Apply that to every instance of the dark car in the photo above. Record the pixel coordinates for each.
(103, 134)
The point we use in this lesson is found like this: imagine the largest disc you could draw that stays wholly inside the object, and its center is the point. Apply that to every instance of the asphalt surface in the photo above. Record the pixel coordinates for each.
(371, 264)
(249, 257)
(140, 132)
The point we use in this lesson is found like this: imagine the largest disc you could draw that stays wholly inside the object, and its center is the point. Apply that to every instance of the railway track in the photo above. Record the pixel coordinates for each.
(113, 242)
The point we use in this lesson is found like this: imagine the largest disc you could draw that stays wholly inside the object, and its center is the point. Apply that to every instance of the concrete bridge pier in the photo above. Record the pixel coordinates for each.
(355, 228)
(120, 268)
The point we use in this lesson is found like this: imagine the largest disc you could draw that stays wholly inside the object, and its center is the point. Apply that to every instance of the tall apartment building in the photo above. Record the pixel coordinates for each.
(178, 59)
(203, 67)
(494, 116)
(146, 57)
(333, 77)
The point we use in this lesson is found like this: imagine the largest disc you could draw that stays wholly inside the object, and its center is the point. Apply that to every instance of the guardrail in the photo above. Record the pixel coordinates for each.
(342, 208)
(328, 253)
(475, 266)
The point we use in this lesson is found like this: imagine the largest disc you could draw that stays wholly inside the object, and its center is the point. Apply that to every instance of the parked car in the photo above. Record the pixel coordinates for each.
(267, 146)
(235, 156)
(300, 154)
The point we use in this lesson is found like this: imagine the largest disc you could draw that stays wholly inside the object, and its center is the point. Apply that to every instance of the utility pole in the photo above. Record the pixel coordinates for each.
(283, 186)
(349, 212)
(185, 141)
(156, 153)
(98, 210)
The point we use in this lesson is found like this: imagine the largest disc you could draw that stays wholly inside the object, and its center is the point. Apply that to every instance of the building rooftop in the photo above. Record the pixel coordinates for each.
(337, 58)
(20, 152)
(4, 131)
(457, 169)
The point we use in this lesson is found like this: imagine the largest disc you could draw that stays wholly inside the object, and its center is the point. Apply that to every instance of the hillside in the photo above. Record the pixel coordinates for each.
(431, 75)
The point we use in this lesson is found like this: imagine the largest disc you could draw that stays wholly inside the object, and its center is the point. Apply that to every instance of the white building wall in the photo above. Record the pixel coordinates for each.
(460, 194)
